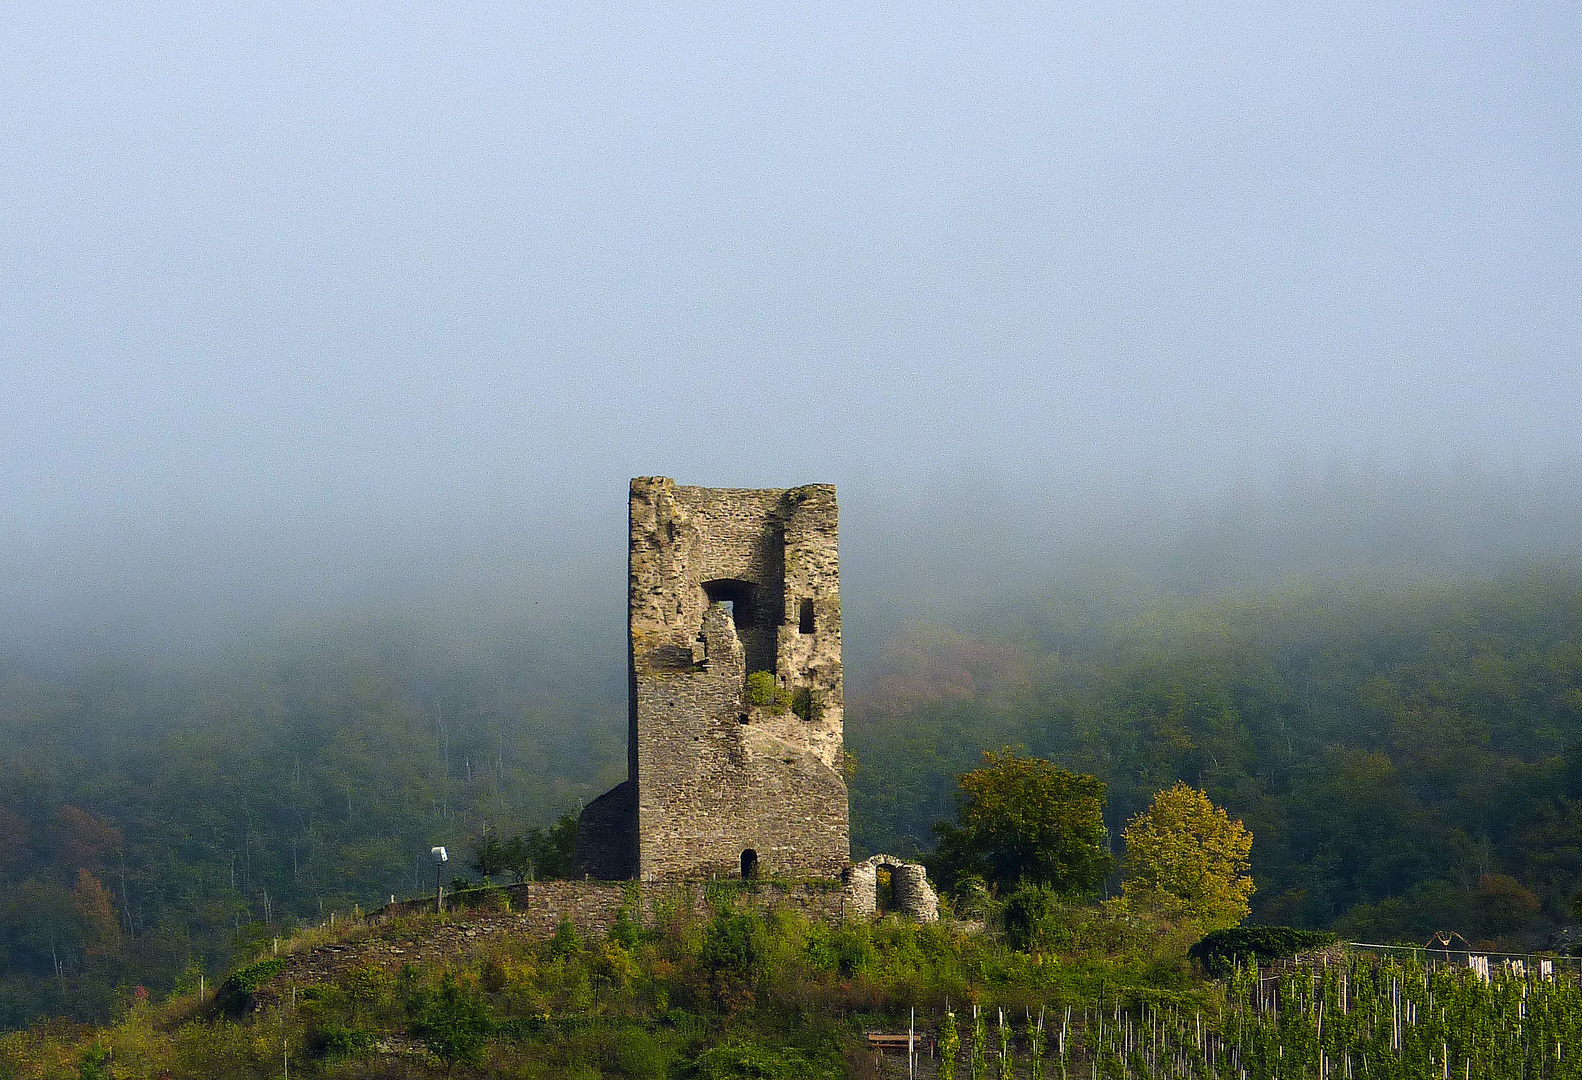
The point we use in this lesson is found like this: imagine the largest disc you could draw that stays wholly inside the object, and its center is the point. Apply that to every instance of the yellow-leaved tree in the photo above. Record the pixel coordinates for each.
(1186, 858)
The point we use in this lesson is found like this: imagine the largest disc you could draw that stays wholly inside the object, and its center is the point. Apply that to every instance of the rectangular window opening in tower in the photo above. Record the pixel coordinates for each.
(805, 617)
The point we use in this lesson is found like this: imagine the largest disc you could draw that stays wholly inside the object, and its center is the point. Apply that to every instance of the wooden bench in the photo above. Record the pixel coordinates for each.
(879, 1042)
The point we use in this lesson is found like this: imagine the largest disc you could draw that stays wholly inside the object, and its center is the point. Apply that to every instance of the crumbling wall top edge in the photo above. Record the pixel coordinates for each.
(644, 482)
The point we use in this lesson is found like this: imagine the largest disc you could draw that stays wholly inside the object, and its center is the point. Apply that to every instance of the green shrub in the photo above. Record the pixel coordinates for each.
(565, 942)
(235, 995)
(730, 943)
(1219, 952)
(637, 1053)
(847, 950)
(625, 930)
(451, 1021)
(739, 1060)
(492, 976)
(971, 899)
(334, 1041)
(215, 1049)
(763, 692)
(95, 1064)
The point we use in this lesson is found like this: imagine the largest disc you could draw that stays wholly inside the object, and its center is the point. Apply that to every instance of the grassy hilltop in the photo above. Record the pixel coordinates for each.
(731, 993)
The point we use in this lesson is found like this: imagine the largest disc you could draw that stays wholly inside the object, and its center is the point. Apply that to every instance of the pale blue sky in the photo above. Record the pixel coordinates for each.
(295, 295)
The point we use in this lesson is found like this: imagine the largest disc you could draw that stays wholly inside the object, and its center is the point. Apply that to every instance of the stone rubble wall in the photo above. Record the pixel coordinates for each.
(534, 910)
(537, 907)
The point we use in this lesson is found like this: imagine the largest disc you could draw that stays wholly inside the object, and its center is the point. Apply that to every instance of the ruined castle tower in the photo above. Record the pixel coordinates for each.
(734, 746)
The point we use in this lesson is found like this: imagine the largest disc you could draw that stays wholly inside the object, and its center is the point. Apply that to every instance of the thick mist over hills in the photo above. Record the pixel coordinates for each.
(311, 313)
(548, 582)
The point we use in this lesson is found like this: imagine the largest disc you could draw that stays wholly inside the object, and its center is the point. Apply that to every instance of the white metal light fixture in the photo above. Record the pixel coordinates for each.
(441, 857)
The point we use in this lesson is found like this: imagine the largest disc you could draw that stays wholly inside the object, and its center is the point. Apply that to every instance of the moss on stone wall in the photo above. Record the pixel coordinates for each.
(763, 692)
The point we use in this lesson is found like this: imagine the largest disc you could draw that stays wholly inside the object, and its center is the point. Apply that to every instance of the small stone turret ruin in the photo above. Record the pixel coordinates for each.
(734, 745)
(910, 892)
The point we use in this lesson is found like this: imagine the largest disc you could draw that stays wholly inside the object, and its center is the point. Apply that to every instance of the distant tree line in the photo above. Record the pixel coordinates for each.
(1410, 760)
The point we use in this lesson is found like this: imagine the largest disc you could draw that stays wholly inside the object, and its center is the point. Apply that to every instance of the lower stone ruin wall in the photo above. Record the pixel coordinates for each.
(535, 910)
(537, 907)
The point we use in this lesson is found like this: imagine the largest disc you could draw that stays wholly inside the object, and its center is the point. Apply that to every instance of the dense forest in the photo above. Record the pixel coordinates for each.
(1408, 760)
(158, 817)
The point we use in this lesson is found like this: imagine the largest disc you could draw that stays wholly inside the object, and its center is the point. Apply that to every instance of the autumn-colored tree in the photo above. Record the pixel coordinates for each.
(1024, 819)
(1186, 857)
(101, 930)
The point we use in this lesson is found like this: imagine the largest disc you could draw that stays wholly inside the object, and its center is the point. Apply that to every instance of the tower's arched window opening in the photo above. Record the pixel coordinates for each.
(749, 863)
(805, 617)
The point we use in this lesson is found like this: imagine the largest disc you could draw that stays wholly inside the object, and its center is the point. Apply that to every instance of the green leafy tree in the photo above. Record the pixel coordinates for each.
(514, 858)
(1186, 857)
(97, 923)
(489, 856)
(1026, 819)
(452, 1022)
(542, 854)
(551, 851)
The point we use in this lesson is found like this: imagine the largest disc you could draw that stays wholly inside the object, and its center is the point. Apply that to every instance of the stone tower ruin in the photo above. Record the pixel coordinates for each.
(734, 747)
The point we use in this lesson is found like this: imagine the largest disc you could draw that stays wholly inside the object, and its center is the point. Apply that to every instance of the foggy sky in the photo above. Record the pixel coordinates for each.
(309, 302)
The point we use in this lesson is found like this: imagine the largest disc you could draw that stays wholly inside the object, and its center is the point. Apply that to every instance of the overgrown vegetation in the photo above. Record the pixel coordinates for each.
(1409, 761)
(235, 995)
(738, 994)
(731, 993)
(764, 692)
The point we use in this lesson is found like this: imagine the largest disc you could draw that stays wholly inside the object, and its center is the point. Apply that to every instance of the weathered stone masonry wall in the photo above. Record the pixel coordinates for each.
(538, 906)
(723, 583)
(911, 893)
(718, 777)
